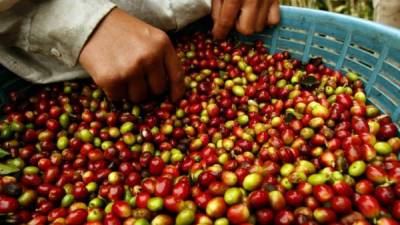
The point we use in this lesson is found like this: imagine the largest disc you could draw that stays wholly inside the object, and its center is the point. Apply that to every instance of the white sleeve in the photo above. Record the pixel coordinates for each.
(187, 11)
(56, 28)
(166, 14)
(387, 12)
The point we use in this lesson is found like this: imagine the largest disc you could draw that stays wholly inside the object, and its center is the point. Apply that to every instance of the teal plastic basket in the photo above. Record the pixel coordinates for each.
(347, 43)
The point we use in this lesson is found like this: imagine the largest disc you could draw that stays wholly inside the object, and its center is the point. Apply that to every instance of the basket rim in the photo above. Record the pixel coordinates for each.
(351, 23)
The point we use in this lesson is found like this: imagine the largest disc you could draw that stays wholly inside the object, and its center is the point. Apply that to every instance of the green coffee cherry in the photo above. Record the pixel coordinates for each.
(383, 148)
(232, 196)
(185, 217)
(317, 179)
(357, 168)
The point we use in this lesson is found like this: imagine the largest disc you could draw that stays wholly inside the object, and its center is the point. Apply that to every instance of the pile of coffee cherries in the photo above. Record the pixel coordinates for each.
(257, 139)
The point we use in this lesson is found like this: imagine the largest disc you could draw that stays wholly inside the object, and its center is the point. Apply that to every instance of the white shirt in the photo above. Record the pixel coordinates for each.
(40, 40)
(387, 12)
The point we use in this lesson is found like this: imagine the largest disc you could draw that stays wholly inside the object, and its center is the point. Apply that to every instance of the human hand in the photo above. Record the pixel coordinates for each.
(248, 16)
(131, 59)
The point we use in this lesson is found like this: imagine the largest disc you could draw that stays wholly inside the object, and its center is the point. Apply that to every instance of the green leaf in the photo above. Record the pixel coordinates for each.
(222, 73)
(6, 169)
(309, 82)
(289, 117)
(3, 153)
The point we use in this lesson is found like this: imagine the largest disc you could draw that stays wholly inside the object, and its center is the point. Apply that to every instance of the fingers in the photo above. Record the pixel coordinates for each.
(115, 90)
(263, 15)
(274, 14)
(247, 19)
(216, 9)
(226, 19)
(156, 78)
(254, 15)
(175, 74)
(137, 88)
